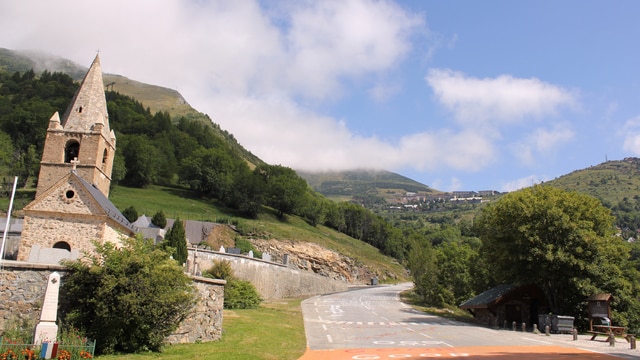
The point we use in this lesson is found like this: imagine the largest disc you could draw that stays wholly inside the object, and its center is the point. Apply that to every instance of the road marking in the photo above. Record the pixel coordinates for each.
(539, 341)
(324, 327)
(329, 339)
(427, 336)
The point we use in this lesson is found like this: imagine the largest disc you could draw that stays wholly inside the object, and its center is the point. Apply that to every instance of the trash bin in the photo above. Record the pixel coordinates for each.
(562, 324)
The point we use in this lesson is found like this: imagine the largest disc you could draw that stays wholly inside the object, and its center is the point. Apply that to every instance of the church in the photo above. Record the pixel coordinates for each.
(71, 208)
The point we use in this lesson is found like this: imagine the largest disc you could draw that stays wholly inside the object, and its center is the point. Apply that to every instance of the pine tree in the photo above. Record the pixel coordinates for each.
(177, 239)
(159, 219)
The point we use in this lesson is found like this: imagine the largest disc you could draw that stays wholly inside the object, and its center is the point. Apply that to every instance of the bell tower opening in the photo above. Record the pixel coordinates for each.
(71, 150)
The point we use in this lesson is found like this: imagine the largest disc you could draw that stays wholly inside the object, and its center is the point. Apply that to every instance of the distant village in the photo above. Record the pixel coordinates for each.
(412, 201)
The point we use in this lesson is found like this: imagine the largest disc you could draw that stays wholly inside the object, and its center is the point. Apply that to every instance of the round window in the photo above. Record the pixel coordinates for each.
(69, 194)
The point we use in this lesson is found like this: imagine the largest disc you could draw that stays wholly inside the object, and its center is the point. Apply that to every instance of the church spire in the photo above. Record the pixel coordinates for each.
(89, 105)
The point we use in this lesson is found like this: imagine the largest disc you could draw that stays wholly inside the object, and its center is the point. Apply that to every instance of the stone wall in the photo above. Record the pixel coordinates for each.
(22, 288)
(271, 280)
(23, 285)
(205, 321)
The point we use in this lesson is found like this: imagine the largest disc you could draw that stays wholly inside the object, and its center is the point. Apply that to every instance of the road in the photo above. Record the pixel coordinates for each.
(372, 323)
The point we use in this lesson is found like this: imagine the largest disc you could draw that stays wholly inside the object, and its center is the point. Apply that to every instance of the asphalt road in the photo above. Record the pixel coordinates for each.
(372, 323)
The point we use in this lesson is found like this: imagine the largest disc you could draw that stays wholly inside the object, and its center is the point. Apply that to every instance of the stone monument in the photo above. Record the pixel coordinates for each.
(47, 329)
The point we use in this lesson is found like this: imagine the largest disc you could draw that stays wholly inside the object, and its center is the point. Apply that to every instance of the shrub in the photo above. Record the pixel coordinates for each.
(129, 299)
(159, 219)
(241, 294)
(220, 270)
(238, 294)
(130, 213)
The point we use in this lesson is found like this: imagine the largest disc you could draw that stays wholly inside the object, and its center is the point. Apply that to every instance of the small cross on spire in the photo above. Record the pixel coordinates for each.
(74, 163)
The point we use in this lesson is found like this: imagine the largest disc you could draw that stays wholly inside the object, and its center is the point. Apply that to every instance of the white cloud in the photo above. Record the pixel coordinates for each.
(631, 134)
(503, 99)
(542, 141)
(522, 183)
(330, 40)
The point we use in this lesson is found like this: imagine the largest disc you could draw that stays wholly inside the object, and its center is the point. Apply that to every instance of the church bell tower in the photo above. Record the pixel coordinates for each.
(81, 140)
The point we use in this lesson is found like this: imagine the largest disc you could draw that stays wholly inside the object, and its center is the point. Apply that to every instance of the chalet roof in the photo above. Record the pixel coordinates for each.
(600, 297)
(488, 297)
(89, 105)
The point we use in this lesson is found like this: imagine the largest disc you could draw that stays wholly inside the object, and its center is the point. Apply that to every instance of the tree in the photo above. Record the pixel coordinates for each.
(177, 240)
(424, 270)
(284, 189)
(129, 298)
(159, 219)
(130, 213)
(561, 241)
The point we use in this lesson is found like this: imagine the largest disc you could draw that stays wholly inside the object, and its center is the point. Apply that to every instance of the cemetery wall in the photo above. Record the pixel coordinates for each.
(205, 321)
(23, 286)
(271, 280)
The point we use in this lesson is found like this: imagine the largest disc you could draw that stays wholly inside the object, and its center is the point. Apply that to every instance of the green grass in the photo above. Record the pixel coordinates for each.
(274, 331)
(174, 202)
(449, 311)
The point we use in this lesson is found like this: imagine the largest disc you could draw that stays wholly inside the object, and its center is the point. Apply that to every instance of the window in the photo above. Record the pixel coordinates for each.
(71, 150)
(62, 245)
(105, 155)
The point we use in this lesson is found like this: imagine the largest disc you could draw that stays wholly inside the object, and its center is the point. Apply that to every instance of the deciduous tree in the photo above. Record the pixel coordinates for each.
(562, 241)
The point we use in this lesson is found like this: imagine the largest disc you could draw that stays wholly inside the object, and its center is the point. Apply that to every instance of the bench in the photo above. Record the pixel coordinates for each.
(606, 330)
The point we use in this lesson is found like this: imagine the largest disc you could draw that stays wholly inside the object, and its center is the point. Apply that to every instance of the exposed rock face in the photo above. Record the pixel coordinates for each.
(312, 257)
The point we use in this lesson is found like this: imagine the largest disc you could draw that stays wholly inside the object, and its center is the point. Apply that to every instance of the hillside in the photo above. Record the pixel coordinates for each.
(345, 185)
(172, 144)
(611, 181)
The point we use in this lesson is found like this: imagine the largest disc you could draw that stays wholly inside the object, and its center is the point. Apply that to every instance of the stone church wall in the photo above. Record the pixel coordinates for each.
(45, 231)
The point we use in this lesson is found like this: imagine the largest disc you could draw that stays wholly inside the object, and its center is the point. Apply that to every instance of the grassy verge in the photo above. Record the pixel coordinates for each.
(274, 331)
(449, 312)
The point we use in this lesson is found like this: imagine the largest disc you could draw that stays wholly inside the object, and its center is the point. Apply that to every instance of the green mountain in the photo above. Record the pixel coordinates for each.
(615, 183)
(346, 185)
(156, 98)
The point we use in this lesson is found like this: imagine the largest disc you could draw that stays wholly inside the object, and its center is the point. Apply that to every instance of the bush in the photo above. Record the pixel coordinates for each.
(238, 294)
(159, 219)
(241, 294)
(129, 299)
(220, 270)
(130, 213)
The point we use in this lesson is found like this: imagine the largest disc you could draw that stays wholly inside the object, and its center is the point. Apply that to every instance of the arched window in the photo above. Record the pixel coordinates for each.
(71, 150)
(62, 245)
(105, 155)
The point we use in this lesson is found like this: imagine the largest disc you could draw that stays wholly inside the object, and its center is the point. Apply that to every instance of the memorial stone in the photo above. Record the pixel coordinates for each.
(47, 329)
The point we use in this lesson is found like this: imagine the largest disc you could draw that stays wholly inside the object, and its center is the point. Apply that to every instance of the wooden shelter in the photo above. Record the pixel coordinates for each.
(507, 303)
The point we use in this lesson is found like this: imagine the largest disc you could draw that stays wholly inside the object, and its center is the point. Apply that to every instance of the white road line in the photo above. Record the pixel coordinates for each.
(427, 336)
(324, 327)
(449, 345)
(539, 341)
(329, 339)
(320, 318)
(410, 329)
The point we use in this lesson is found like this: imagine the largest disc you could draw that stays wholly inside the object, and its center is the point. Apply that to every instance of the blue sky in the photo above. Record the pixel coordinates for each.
(458, 95)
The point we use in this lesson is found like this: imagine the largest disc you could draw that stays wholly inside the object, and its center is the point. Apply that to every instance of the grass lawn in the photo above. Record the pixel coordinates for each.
(274, 331)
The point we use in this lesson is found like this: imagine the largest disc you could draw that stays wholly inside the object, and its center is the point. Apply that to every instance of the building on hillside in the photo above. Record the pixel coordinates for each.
(71, 208)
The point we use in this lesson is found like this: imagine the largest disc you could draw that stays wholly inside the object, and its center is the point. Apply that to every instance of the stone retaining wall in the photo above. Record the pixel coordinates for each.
(22, 288)
(271, 280)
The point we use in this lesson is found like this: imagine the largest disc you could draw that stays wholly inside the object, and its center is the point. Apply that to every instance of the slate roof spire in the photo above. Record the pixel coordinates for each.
(89, 105)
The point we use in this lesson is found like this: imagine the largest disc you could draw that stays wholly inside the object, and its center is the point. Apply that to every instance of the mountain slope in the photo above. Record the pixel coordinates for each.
(358, 183)
(611, 181)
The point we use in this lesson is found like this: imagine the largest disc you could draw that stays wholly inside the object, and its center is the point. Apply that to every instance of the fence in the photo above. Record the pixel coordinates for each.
(13, 351)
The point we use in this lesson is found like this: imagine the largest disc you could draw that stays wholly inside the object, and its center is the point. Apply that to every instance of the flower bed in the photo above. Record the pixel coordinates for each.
(79, 349)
